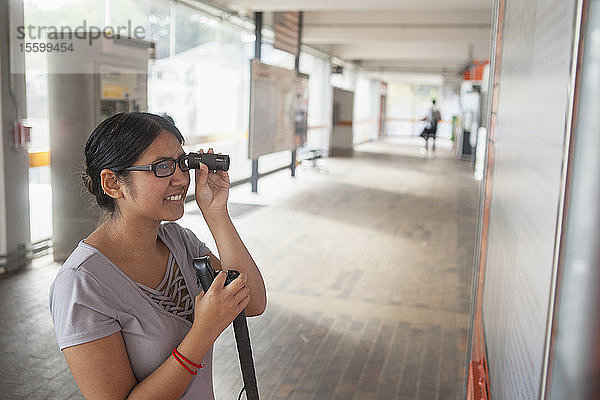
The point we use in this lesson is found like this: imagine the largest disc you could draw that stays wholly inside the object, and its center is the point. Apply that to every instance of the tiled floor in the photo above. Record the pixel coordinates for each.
(367, 262)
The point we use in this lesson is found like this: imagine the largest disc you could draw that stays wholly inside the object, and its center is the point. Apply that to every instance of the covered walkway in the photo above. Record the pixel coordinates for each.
(368, 265)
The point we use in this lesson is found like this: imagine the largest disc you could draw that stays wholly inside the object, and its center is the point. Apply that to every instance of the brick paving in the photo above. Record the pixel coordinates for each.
(368, 267)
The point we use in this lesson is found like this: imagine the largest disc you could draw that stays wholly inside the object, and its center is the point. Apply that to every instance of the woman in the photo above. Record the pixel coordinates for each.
(129, 315)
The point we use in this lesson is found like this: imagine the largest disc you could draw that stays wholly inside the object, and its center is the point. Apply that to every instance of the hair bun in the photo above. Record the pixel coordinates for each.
(89, 182)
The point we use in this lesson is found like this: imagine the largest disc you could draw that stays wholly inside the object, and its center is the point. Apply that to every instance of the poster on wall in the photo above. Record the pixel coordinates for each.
(301, 110)
(278, 109)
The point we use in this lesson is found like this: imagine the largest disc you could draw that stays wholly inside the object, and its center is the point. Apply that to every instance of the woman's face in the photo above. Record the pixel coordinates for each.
(159, 199)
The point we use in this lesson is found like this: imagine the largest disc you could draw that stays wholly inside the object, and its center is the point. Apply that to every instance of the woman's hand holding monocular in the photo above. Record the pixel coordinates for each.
(212, 189)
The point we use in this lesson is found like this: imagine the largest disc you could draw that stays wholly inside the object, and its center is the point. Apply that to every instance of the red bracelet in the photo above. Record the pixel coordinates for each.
(174, 353)
(186, 360)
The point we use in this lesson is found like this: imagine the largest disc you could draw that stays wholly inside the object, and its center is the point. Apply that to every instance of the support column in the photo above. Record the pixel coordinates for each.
(297, 68)
(257, 54)
(14, 160)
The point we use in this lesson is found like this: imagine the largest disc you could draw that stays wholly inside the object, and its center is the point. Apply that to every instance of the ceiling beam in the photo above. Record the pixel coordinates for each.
(382, 5)
(347, 35)
(442, 16)
(452, 71)
(452, 52)
(406, 65)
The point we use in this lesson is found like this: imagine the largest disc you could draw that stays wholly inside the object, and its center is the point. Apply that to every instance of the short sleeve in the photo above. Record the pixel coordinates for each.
(195, 243)
(80, 310)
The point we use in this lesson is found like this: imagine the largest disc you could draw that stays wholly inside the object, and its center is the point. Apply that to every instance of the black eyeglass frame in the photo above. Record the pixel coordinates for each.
(182, 161)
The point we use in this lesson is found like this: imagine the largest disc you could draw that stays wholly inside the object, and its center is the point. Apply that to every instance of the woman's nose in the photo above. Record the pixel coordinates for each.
(180, 177)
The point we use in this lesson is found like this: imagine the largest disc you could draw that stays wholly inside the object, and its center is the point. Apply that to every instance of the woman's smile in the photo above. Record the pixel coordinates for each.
(177, 198)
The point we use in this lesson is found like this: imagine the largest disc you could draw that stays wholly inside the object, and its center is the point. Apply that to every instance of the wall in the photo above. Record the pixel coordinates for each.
(366, 109)
(527, 188)
(3, 228)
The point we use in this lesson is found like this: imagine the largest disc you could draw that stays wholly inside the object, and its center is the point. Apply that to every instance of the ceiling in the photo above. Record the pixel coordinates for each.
(437, 37)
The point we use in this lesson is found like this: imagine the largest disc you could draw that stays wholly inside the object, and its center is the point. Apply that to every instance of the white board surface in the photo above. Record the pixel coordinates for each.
(527, 186)
(273, 101)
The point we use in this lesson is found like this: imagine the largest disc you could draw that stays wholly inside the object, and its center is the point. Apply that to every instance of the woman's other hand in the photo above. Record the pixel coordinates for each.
(218, 307)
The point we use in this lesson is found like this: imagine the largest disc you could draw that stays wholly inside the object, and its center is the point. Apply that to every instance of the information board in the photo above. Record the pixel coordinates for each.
(278, 104)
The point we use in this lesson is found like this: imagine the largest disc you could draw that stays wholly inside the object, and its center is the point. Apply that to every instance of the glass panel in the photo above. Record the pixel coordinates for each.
(153, 15)
(159, 26)
(41, 17)
(135, 12)
(319, 100)
(204, 86)
(192, 28)
(271, 55)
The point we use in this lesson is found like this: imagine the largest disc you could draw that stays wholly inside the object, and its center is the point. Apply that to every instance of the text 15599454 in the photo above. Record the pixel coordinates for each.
(62, 47)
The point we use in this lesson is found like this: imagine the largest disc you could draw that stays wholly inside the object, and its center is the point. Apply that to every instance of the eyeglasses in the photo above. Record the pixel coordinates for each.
(164, 168)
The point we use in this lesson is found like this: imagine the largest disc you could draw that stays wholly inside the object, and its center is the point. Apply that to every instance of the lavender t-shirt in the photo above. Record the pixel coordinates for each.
(92, 298)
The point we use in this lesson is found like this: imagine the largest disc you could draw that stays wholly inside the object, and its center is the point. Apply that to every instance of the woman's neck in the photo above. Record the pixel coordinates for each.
(136, 239)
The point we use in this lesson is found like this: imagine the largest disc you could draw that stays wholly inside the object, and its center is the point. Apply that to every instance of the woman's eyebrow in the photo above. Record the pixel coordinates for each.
(175, 156)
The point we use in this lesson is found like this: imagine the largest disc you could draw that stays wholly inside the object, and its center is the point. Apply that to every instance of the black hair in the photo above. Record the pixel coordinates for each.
(117, 143)
(433, 101)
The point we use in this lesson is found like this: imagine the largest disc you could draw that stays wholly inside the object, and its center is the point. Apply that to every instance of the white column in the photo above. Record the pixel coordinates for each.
(14, 162)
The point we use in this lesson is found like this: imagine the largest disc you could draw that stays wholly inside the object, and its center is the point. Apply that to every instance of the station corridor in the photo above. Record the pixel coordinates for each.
(368, 265)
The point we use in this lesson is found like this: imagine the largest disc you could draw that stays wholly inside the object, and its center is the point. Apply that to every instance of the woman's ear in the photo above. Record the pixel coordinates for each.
(111, 185)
